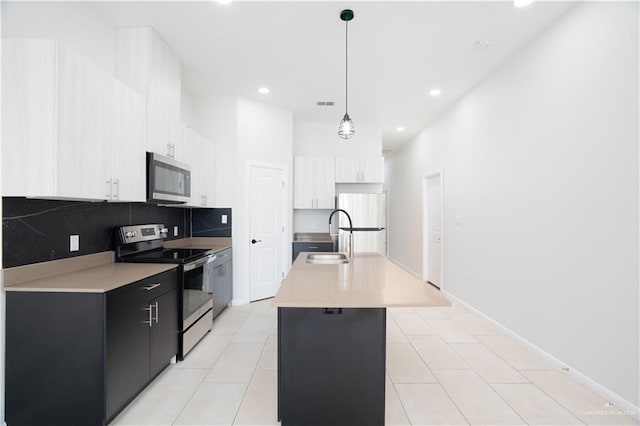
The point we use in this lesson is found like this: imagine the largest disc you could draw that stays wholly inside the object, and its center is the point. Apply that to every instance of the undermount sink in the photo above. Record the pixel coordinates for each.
(327, 258)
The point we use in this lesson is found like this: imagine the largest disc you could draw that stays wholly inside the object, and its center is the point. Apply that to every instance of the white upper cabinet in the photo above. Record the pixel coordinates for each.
(314, 183)
(360, 169)
(127, 167)
(145, 62)
(57, 122)
(207, 171)
(203, 171)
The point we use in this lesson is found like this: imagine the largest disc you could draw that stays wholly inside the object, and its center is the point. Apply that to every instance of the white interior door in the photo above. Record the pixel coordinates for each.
(267, 195)
(433, 231)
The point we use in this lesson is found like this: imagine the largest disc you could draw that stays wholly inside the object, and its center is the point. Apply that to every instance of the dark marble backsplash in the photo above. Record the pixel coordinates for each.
(38, 230)
(208, 222)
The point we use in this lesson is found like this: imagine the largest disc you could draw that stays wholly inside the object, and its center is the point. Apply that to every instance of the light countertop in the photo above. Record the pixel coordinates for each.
(312, 237)
(212, 243)
(97, 279)
(370, 280)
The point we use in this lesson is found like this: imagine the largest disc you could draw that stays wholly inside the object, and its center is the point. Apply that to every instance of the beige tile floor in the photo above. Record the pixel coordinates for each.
(445, 366)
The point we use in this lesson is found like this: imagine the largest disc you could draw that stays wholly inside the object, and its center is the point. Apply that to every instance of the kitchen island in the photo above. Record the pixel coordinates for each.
(332, 337)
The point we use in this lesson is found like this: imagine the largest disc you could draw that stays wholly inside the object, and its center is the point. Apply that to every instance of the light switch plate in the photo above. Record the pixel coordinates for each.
(175, 231)
(74, 242)
(224, 218)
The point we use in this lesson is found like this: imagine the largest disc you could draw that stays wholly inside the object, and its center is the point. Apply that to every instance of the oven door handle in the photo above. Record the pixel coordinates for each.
(198, 263)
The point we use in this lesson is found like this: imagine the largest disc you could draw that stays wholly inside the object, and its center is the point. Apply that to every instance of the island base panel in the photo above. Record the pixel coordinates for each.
(331, 366)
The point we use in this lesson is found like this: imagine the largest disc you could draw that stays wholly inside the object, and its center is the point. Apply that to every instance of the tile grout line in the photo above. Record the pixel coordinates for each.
(529, 382)
(203, 379)
(253, 373)
(435, 377)
(570, 411)
(404, 410)
(489, 385)
(479, 376)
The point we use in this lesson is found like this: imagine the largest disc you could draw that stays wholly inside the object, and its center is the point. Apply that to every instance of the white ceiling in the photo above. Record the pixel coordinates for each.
(398, 51)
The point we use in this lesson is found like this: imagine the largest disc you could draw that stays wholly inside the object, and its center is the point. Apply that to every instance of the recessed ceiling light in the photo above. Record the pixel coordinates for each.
(522, 3)
(264, 90)
(399, 129)
(482, 43)
(435, 92)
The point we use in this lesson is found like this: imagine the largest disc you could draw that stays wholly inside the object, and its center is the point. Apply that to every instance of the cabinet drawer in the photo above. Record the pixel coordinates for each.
(315, 247)
(152, 287)
(222, 257)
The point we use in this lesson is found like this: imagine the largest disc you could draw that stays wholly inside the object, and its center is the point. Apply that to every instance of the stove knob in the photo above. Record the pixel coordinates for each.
(130, 234)
(164, 231)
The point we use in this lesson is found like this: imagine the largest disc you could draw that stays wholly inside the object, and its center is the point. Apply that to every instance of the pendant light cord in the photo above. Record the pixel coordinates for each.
(346, 68)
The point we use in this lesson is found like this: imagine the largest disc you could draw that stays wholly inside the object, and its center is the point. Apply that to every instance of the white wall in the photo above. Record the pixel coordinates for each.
(318, 139)
(243, 131)
(75, 23)
(541, 163)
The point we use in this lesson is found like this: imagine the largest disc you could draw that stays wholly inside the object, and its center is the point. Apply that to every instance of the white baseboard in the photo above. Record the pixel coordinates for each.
(622, 404)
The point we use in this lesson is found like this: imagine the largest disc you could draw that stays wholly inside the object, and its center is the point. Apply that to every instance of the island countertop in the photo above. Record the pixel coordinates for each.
(370, 280)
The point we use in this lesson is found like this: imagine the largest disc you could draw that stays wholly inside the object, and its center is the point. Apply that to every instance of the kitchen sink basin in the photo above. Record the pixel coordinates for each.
(327, 258)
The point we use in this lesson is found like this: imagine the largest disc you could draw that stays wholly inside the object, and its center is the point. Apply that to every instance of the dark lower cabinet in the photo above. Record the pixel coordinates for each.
(163, 339)
(54, 371)
(79, 358)
(331, 366)
(222, 281)
(299, 247)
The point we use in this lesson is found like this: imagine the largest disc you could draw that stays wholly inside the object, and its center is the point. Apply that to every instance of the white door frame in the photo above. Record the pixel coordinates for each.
(286, 259)
(425, 226)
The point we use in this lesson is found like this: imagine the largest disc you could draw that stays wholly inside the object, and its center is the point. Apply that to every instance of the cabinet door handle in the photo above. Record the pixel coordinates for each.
(157, 312)
(169, 150)
(150, 310)
(117, 184)
(313, 247)
(109, 190)
(152, 286)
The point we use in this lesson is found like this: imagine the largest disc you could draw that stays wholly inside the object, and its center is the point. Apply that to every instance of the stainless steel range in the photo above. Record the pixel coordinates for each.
(143, 244)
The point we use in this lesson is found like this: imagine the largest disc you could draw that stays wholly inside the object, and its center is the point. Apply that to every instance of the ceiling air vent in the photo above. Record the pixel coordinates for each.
(325, 103)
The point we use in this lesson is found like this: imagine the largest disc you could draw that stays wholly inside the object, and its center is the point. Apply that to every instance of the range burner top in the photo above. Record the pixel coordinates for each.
(143, 244)
(166, 255)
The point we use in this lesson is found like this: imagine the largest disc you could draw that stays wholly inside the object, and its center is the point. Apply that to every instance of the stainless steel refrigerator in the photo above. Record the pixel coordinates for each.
(369, 216)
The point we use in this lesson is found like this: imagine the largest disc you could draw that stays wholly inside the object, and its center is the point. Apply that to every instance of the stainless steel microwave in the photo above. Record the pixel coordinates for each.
(168, 180)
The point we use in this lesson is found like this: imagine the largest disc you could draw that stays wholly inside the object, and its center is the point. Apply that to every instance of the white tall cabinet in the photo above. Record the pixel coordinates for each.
(314, 183)
(146, 62)
(203, 172)
(127, 159)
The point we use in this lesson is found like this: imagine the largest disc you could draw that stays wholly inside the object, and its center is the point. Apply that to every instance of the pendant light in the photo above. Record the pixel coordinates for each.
(346, 130)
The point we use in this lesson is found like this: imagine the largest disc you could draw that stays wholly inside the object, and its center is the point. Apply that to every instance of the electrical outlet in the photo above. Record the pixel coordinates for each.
(224, 218)
(459, 220)
(175, 231)
(74, 242)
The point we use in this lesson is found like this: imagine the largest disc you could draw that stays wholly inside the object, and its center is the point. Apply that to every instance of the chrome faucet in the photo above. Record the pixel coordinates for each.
(349, 247)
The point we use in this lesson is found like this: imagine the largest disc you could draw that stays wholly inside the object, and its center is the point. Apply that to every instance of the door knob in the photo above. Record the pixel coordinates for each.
(255, 241)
